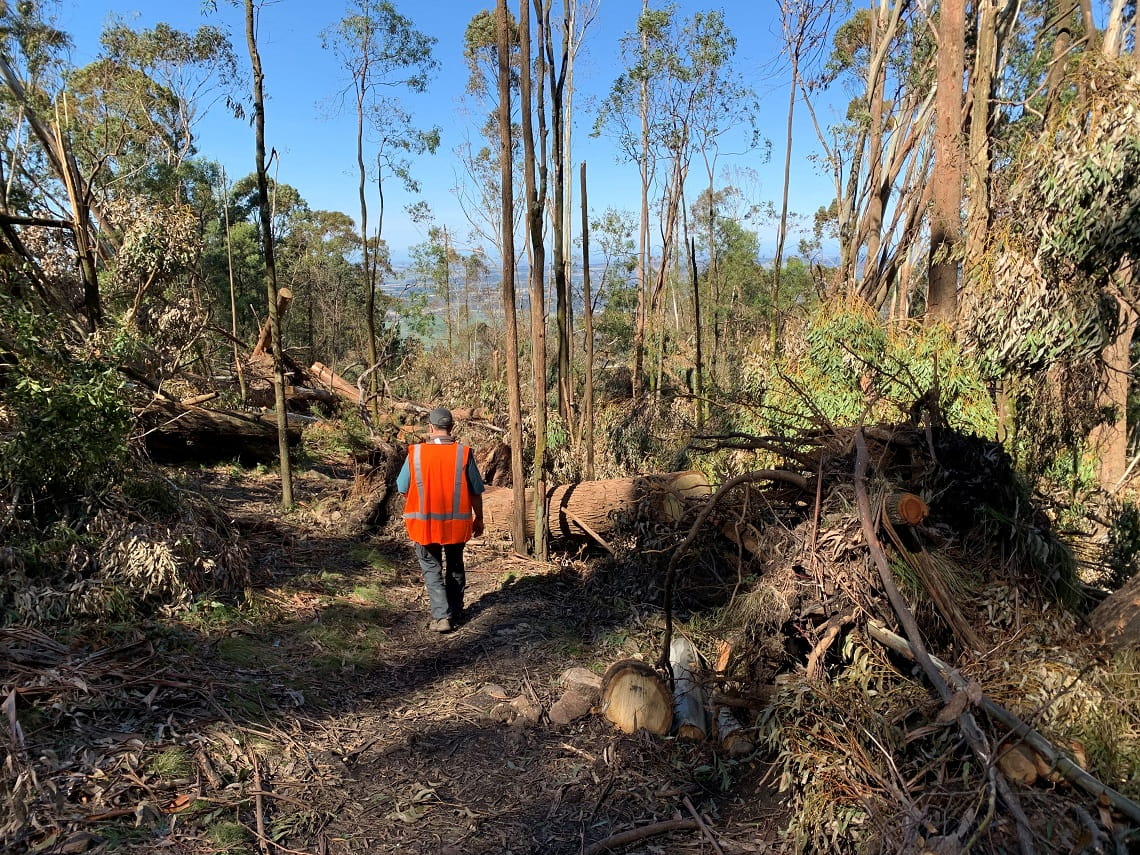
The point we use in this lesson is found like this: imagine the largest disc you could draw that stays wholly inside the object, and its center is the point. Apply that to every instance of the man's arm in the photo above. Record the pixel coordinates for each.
(404, 479)
(475, 489)
(477, 507)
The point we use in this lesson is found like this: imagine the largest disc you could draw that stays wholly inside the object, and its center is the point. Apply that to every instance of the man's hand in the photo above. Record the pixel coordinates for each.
(477, 527)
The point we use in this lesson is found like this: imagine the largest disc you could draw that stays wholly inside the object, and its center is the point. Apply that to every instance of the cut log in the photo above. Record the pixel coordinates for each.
(688, 699)
(731, 734)
(635, 698)
(590, 509)
(340, 387)
(173, 433)
(906, 509)
(724, 650)
(284, 298)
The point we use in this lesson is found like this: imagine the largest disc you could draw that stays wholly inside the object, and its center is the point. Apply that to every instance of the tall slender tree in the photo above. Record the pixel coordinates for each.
(381, 50)
(805, 25)
(507, 201)
(267, 245)
(946, 213)
(535, 162)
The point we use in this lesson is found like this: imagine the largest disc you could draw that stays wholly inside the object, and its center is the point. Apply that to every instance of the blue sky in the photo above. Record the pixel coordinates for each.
(317, 147)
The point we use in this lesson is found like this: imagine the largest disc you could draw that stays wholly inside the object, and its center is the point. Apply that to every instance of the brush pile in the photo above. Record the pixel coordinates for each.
(971, 736)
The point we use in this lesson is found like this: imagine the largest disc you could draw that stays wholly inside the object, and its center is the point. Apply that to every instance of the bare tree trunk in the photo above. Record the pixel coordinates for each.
(1056, 74)
(1110, 440)
(270, 265)
(506, 172)
(643, 235)
(781, 233)
(978, 175)
(699, 363)
(556, 74)
(588, 319)
(880, 189)
(535, 198)
(945, 216)
(233, 297)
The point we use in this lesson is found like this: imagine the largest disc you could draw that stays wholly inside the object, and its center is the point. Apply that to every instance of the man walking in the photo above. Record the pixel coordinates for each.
(443, 510)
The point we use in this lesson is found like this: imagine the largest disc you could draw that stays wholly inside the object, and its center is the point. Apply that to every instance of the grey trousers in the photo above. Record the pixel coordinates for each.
(444, 578)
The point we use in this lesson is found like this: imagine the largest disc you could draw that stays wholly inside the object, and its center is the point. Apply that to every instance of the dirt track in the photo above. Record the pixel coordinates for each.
(376, 735)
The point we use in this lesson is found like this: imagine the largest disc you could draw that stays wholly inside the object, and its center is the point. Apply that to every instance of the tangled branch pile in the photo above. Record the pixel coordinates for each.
(868, 755)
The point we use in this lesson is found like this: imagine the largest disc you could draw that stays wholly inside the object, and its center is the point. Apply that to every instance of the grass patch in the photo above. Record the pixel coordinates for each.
(347, 636)
(242, 651)
(229, 838)
(373, 593)
(171, 764)
(209, 615)
(376, 560)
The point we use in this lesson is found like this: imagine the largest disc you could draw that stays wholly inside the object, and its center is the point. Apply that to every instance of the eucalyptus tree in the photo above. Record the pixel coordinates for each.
(112, 141)
(478, 184)
(503, 45)
(319, 264)
(152, 86)
(532, 106)
(381, 51)
(949, 170)
(31, 64)
(879, 157)
(268, 249)
(660, 109)
(804, 25)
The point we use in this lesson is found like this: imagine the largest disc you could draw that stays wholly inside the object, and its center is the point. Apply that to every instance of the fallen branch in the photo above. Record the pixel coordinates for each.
(814, 668)
(1070, 770)
(258, 801)
(967, 724)
(703, 825)
(616, 841)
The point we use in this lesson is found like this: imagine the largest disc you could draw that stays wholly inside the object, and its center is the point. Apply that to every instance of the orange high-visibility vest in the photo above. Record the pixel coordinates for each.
(438, 509)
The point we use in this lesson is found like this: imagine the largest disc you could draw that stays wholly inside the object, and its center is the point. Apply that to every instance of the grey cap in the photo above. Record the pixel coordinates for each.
(441, 417)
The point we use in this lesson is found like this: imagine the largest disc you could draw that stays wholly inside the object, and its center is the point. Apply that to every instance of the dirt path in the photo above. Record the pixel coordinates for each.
(328, 719)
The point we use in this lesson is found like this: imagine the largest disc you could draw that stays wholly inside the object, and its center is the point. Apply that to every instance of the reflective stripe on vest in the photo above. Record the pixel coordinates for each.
(438, 512)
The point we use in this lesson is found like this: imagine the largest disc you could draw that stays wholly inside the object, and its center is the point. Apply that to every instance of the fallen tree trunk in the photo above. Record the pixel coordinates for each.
(590, 509)
(175, 433)
(336, 384)
(1117, 620)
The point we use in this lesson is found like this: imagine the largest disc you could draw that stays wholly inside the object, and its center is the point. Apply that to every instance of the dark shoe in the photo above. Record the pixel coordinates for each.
(441, 625)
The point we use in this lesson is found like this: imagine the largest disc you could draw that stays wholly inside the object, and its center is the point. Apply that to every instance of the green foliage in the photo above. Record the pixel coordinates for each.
(229, 838)
(340, 439)
(848, 367)
(829, 740)
(65, 423)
